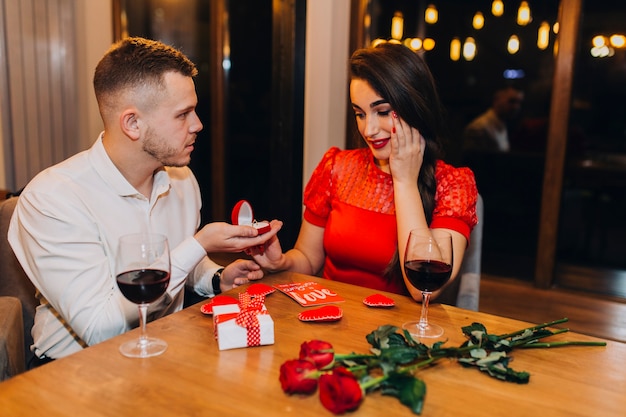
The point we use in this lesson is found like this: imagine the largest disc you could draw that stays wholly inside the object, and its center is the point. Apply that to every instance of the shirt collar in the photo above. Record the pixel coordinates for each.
(107, 170)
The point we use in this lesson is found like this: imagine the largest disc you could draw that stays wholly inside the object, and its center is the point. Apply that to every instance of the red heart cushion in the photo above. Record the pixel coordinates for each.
(378, 300)
(325, 313)
(218, 300)
(258, 289)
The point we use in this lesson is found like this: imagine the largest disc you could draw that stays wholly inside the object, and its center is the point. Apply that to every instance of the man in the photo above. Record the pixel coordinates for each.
(134, 178)
(489, 131)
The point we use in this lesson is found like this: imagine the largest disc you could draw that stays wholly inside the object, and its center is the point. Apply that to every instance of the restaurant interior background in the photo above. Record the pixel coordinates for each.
(591, 238)
(251, 59)
(472, 48)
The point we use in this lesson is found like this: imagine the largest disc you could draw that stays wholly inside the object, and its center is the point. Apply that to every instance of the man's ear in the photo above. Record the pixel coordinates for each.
(129, 124)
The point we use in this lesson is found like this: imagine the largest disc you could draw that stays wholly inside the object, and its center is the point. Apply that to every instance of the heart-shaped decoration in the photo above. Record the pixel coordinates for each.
(378, 300)
(258, 289)
(218, 300)
(325, 313)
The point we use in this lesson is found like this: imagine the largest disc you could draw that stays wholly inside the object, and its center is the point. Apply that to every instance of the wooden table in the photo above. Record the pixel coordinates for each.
(194, 378)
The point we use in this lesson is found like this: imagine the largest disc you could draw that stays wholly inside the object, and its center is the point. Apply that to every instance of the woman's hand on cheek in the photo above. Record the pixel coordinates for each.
(407, 151)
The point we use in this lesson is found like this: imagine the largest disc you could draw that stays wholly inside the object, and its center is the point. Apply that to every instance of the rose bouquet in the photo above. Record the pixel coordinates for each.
(344, 379)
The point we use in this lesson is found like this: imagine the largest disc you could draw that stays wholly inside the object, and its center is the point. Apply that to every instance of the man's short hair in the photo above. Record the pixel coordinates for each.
(137, 62)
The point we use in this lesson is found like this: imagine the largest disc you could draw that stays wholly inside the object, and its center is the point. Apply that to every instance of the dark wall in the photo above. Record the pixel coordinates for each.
(262, 103)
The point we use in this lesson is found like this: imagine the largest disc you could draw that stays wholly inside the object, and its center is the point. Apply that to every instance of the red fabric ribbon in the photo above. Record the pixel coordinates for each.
(249, 309)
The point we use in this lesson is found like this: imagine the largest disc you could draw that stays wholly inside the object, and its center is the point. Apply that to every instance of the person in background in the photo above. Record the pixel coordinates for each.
(490, 131)
(360, 204)
(135, 178)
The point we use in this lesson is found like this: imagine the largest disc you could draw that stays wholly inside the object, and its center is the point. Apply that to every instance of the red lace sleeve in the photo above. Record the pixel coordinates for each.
(317, 193)
(455, 199)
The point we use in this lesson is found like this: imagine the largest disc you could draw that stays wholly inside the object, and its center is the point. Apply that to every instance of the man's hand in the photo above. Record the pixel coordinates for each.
(225, 237)
(240, 272)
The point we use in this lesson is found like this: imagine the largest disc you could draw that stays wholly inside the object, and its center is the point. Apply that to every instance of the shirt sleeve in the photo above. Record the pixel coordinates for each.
(317, 193)
(190, 261)
(201, 279)
(59, 248)
(67, 255)
(455, 199)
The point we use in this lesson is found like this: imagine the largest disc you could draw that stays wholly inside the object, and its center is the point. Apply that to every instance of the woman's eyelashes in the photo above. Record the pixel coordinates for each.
(382, 109)
(359, 114)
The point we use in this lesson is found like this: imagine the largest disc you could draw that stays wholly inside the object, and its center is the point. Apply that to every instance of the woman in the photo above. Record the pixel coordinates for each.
(362, 203)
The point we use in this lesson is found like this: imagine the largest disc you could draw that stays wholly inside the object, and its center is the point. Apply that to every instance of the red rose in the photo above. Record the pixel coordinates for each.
(298, 377)
(340, 391)
(319, 352)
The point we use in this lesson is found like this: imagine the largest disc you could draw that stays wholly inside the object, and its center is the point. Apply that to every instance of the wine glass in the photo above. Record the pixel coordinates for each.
(428, 266)
(143, 274)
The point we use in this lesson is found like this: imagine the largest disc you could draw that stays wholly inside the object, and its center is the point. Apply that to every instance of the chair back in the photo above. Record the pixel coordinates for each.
(13, 279)
(469, 287)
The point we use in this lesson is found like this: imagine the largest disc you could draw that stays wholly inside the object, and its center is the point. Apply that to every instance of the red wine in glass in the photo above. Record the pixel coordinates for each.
(143, 285)
(143, 275)
(427, 266)
(428, 275)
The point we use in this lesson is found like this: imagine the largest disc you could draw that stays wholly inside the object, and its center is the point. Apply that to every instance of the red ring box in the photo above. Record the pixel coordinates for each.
(242, 214)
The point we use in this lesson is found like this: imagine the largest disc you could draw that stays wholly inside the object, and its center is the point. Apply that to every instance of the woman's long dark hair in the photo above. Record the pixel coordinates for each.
(401, 77)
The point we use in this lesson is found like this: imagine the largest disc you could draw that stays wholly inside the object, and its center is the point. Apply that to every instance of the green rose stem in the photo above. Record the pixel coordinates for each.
(532, 345)
(401, 369)
(353, 356)
(537, 327)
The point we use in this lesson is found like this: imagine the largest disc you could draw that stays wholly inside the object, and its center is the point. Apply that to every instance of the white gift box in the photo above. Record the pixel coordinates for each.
(231, 335)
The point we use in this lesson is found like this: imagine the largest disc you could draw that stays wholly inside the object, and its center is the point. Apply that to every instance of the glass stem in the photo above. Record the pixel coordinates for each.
(143, 314)
(424, 315)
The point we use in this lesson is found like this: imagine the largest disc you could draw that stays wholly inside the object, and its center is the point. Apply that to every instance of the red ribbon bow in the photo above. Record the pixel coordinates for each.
(249, 309)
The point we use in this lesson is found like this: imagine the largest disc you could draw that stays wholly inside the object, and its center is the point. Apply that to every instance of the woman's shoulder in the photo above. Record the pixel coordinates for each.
(443, 170)
(451, 179)
(350, 155)
(344, 157)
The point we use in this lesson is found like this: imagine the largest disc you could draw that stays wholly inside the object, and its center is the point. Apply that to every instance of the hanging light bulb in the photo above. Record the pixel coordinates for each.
(513, 44)
(367, 21)
(397, 25)
(431, 15)
(413, 43)
(455, 49)
(478, 21)
(497, 8)
(469, 49)
(378, 41)
(429, 44)
(598, 41)
(555, 49)
(618, 41)
(543, 35)
(523, 14)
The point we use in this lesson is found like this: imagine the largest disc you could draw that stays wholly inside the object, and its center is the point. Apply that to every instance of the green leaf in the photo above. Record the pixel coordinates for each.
(379, 338)
(478, 353)
(530, 336)
(400, 354)
(493, 357)
(496, 365)
(410, 390)
(397, 339)
(474, 327)
(505, 373)
(436, 346)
